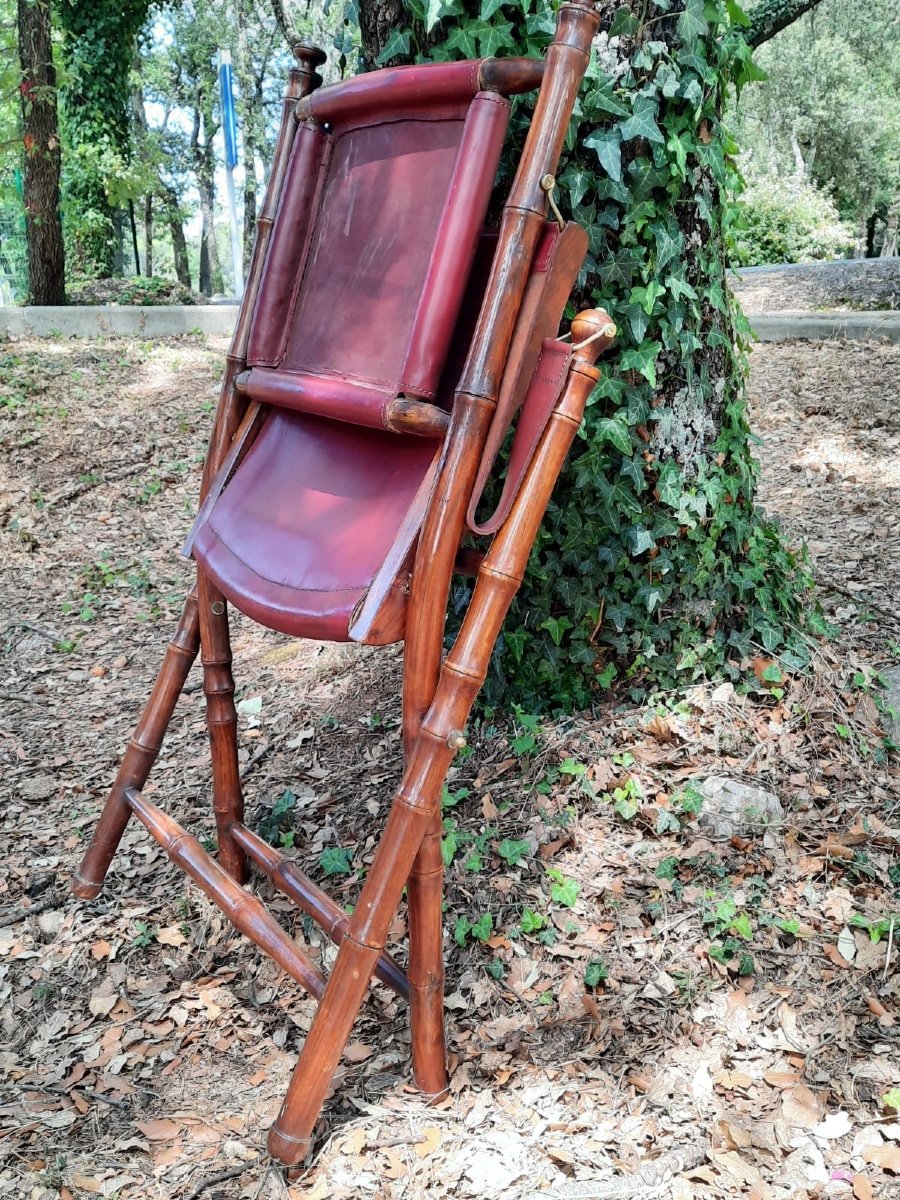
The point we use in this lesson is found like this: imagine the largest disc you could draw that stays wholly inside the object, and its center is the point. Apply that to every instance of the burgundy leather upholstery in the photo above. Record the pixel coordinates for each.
(364, 280)
(297, 536)
(377, 277)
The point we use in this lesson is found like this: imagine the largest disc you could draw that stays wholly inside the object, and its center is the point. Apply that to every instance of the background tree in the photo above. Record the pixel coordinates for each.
(43, 226)
(840, 131)
(653, 560)
(98, 50)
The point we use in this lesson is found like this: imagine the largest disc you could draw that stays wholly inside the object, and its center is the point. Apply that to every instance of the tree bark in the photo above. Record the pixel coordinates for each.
(179, 243)
(640, 564)
(43, 225)
(148, 234)
(771, 16)
(205, 169)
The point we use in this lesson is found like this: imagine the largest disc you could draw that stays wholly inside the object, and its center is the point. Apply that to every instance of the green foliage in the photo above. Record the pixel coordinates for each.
(653, 565)
(335, 860)
(839, 129)
(98, 48)
(274, 824)
(787, 221)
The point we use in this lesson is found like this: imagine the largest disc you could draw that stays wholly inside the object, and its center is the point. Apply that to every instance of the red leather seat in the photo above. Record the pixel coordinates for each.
(300, 532)
(360, 302)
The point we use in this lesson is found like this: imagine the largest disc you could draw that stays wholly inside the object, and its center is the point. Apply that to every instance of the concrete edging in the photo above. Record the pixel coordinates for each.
(121, 320)
(820, 326)
(118, 320)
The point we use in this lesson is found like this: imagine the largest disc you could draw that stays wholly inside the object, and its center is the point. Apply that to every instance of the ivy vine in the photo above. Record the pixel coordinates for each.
(654, 567)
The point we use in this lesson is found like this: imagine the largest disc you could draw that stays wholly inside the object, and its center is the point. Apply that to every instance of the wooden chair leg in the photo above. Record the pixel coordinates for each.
(416, 808)
(142, 751)
(221, 721)
(363, 942)
(426, 963)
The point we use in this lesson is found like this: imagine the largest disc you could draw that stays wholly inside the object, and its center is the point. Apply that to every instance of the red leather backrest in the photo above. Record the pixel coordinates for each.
(374, 240)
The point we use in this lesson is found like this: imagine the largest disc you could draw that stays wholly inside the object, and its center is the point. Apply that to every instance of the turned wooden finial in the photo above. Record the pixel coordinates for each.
(308, 55)
(593, 332)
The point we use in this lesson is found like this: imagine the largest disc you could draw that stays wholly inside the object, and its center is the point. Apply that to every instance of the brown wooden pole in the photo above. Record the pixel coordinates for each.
(221, 721)
(183, 648)
(417, 800)
(474, 407)
(426, 962)
(330, 917)
(244, 911)
(141, 752)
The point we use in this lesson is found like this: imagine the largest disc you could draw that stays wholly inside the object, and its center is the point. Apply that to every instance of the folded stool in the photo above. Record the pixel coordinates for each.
(385, 345)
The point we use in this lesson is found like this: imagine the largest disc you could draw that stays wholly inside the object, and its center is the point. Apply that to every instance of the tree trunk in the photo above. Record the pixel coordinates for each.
(148, 234)
(205, 170)
(179, 244)
(251, 90)
(653, 561)
(43, 225)
(132, 225)
(210, 270)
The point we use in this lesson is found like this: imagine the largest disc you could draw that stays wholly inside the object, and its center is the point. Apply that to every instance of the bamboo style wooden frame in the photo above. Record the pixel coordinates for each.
(438, 695)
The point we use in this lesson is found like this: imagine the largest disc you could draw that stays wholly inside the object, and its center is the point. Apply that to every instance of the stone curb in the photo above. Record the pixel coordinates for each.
(118, 320)
(115, 320)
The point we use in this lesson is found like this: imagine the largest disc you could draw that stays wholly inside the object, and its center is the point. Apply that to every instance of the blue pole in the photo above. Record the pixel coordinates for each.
(229, 131)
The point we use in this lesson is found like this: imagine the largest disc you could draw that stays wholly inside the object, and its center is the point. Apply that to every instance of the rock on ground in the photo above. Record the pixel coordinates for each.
(735, 809)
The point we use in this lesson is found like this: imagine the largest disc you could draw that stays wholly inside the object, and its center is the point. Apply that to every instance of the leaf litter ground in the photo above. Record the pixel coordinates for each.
(638, 1008)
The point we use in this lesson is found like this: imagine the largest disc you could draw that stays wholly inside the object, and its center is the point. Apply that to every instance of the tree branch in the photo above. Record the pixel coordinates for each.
(290, 35)
(771, 16)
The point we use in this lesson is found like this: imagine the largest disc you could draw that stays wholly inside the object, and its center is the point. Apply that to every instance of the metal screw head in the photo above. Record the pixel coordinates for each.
(217, 607)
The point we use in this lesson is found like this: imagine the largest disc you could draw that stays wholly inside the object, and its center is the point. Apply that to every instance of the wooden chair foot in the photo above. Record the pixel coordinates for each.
(86, 889)
(286, 1149)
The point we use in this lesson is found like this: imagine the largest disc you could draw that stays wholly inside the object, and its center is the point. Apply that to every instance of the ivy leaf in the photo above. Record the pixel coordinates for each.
(692, 22)
(641, 540)
(638, 320)
(602, 100)
(736, 14)
(607, 144)
(513, 851)
(669, 242)
(624, 23)
(556, 627)
(334, 860)
(397, 43)
(488, 8)
(642, 122)
(679, 287)
(643, 360)
(647, 296)
(461, 39)
(669, 486)
(436, 10)
(492, 37)
(565, 892)
(617, 270)
(615, 430)
(577, 180)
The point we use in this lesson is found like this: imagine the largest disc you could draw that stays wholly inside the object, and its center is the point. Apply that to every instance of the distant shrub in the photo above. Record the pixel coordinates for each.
(785, 221)
(136, 290)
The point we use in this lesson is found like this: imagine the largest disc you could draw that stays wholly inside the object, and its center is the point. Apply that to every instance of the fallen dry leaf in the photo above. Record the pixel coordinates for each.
(800, 1107)
(159, 1130)
(886, 1157)
(862, 1188)
(429, 1140)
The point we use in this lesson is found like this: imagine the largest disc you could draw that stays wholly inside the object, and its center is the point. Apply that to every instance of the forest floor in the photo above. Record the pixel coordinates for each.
(866, 285)
(638, 996)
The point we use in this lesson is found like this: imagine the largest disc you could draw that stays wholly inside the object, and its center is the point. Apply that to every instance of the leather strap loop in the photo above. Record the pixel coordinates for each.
(546, 385)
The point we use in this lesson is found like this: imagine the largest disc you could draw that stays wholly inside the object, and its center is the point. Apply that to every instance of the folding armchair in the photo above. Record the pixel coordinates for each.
(385, 345)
